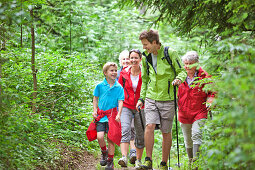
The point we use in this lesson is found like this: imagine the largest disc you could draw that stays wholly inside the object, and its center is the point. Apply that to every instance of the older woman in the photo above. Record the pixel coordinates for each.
(124, 61)
(192, 103)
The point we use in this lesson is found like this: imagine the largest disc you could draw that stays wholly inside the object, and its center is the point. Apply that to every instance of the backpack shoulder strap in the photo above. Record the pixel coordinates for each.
(147, 64)
(167, 57)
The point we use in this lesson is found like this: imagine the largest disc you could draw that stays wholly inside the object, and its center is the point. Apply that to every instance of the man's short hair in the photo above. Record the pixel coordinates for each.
(108, 65)
(151, 35)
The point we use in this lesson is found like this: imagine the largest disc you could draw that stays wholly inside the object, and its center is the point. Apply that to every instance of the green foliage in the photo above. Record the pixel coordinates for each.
(231, 143)
(75, 38)
(99, 32)
(64, 103)
(217, 15)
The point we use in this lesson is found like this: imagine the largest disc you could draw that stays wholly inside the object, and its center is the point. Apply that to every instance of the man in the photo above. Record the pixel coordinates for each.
(158, 79)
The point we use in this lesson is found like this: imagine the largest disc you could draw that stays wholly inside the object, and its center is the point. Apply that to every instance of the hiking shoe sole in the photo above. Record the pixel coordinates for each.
(103, 163)
(132, 160)
(122, 163)
(145, 167)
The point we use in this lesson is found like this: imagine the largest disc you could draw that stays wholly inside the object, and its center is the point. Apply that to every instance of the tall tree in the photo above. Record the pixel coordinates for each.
(21, 18)
(34, 94)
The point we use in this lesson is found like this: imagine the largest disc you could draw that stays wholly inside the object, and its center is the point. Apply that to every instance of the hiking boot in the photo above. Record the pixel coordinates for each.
(163, 166)
(110, 165)
(138, 165)
(132, 156)
(123, 161)
(104, 156)
(147, 164)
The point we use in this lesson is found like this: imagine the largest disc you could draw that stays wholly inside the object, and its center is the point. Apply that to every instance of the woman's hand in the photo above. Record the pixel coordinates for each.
(118, 117)
(139, 105)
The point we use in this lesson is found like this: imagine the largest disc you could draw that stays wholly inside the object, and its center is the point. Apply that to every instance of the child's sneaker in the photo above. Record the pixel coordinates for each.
(110, 165)
(123, 161)
(138, 165)
(132, 156)
(104, 156)
(147, 164)
(163, 166)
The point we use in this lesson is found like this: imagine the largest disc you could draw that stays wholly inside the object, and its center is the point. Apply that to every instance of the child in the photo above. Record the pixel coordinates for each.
(107, 96)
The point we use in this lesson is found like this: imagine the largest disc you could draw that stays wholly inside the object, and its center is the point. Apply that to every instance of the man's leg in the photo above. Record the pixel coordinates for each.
(149, 142)
(149, 139)
(166, 110)
(166, 145)
(152, 118)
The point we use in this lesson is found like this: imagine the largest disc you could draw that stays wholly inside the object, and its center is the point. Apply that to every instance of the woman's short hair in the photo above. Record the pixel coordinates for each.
(122, 55)
(108, 65)
(151, 35)
(135, 51)
(190, 56)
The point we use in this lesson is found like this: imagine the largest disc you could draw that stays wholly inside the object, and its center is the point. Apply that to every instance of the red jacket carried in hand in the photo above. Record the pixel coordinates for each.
(192, 100)
(131, 97)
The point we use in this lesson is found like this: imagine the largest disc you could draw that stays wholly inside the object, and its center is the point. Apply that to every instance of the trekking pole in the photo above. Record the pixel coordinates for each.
(176, 124)
(140, 114)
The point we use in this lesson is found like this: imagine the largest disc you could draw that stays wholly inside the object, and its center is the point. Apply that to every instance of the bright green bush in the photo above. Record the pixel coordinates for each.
(231, 143)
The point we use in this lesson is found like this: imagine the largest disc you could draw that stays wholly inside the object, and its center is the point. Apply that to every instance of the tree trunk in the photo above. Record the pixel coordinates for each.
(34, 94)
(21, 31)
(2, 35)
(1, 102)
(70, 19)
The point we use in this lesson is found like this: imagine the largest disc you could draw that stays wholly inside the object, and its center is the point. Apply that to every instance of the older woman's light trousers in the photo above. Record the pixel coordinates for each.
(193, 133)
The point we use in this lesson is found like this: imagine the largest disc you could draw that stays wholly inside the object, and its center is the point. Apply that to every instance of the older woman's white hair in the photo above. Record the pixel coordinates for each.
(190, 56)
(122, 55)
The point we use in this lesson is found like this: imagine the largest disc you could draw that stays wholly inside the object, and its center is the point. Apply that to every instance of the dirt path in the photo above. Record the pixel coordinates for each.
(78, 160)
(74, 160)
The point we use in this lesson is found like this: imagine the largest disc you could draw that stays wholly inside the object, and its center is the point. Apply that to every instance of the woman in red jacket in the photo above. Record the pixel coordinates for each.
(192, 103)
(130, 79)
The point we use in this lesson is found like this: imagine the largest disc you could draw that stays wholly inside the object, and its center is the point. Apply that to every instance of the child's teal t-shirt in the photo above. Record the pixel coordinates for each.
(108, 97)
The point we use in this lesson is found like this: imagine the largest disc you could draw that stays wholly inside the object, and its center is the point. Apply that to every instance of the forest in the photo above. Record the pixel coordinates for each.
(51, 59)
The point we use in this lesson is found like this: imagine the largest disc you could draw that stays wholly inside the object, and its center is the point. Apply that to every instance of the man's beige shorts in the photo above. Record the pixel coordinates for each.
(160, 113)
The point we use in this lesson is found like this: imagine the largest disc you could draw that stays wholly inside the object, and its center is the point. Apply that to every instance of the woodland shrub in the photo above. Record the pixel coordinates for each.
(65, 88)
(229, 137)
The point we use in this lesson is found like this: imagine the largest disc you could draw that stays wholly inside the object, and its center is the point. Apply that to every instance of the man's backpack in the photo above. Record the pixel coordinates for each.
(167, 57)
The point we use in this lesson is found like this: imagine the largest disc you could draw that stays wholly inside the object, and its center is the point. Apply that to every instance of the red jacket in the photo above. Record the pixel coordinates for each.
(131, 97)
(114, 133)
(192, 101)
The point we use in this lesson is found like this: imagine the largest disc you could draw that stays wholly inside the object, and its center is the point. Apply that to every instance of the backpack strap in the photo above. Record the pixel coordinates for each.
(168, 59)
(147, 64)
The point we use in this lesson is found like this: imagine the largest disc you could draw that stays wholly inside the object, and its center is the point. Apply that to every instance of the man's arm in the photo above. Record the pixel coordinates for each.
(181, 73)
